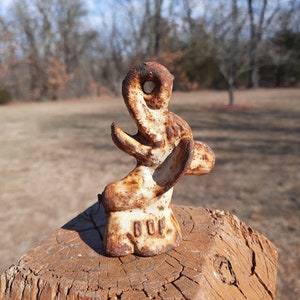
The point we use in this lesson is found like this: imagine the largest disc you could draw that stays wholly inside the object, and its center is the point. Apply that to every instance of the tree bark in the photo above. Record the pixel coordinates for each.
(256, 32)
(231, 93)
(219, 258)
(253, 78)
(157, 26)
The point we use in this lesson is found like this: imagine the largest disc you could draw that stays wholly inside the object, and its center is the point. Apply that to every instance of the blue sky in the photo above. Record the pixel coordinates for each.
(92, 5)
(5, 4)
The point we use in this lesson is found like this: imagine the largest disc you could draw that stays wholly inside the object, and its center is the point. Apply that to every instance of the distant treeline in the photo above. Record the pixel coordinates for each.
(67, 48)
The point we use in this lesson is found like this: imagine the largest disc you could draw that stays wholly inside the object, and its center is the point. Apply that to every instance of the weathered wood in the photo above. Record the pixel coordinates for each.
(219, 258)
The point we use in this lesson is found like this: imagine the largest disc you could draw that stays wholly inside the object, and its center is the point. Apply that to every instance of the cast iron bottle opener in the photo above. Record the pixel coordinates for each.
(140, 219)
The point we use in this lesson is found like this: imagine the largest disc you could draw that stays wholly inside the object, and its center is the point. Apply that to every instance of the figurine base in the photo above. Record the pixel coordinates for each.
(148, 231)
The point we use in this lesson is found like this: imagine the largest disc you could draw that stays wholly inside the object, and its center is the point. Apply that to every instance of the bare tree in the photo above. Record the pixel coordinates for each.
(227, 46)
(57, 77)
(28, 24)
(6, 52)
(150, 27)
(68, 16)
(53, 30)
(284, 45)
(157, 26)
(257, 27)
(75, 40)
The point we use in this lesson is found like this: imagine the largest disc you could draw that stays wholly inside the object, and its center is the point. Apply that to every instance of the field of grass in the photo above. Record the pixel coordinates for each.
(55, 157)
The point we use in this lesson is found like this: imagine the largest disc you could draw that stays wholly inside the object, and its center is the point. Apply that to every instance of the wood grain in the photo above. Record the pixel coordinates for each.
(219, 258)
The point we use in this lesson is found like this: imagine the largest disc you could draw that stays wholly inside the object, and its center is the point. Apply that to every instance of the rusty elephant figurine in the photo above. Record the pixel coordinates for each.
(140, 219)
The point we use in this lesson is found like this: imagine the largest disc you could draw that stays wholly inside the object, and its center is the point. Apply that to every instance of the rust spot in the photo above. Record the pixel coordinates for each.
(132, 182)
(137, 228)
(150, 227)
(119, 249)
(169, 231)
(161, 226)
(170, 132)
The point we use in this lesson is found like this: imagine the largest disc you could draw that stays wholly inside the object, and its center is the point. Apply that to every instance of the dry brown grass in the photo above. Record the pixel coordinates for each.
(56, 157)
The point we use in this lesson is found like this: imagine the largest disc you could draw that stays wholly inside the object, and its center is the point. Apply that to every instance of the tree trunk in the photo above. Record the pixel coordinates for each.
(157, 26)
(220, 257)
(253, 70)
(231, 91)
(256, 31)
(252, 49)
(253, 77)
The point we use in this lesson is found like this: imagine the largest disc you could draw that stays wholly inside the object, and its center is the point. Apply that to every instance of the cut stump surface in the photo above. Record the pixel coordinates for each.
(219, 258)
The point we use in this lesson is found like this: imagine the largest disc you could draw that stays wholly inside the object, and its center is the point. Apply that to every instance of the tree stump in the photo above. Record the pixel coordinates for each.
(219, 258)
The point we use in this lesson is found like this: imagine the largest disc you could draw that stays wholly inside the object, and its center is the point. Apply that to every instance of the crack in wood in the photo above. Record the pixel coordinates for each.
(177, 288)
(264, 285)
(237, 286)
(253, 267)
(23, 291)
(253, 263)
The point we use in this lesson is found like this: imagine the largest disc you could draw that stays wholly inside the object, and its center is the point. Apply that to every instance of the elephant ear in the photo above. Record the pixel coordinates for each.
(203, 160)
(174, 166)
